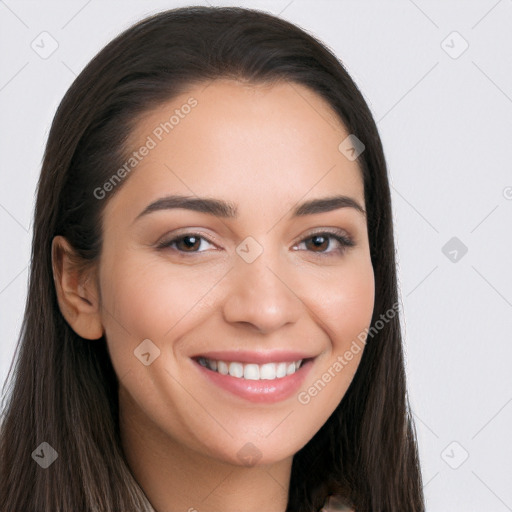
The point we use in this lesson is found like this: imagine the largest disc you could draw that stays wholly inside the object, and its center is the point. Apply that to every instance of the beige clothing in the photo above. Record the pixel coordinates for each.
(335, 504)
(332, 504)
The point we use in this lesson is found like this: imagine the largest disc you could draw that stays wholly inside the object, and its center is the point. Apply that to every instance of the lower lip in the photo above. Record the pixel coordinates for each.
(260, 391)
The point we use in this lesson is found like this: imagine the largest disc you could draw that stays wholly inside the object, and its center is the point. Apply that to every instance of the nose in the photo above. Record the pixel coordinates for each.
(261, 295)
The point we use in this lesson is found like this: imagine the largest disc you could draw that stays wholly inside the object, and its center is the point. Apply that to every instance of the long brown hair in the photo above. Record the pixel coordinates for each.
(63, 389)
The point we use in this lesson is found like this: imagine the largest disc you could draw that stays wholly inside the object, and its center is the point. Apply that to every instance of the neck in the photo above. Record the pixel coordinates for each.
(176, 478)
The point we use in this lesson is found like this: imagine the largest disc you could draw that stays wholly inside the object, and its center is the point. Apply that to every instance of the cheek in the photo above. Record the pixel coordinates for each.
(343, 309)
(148, 298)
(354, 313)
(344, 303)
(151, 299)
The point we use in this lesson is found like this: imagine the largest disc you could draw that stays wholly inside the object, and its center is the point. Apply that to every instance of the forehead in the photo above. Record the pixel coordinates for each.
(252, 144)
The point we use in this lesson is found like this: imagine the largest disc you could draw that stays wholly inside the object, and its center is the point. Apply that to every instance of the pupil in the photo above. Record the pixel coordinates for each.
(319, 240)
(188, 243)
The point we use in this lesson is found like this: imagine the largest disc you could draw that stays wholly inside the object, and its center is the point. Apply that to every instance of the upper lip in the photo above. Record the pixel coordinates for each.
(261, 357)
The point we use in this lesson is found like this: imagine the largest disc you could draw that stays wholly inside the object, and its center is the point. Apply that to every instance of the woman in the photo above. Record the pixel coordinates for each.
(212, 313)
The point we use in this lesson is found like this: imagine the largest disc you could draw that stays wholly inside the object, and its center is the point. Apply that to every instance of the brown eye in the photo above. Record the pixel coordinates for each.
(324, 244)
(320, 242)
(190, 242)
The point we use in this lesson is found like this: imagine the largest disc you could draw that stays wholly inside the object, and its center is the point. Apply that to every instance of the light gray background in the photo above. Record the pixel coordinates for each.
(446, 125)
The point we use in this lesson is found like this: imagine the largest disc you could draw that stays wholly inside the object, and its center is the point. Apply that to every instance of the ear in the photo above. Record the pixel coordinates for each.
(77, 291)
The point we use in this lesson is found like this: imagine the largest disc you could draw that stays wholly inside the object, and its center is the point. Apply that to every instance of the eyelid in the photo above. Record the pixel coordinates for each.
(341, 236)
(346, 242)
(167, 239)
(328, 231)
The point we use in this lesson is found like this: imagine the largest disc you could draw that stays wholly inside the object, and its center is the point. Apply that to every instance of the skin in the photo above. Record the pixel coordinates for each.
(265, 149)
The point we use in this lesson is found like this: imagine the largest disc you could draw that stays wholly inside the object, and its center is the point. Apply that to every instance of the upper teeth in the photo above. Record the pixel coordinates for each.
(267, 371)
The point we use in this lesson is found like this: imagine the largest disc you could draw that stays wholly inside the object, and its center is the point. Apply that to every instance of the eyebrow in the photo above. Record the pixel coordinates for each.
(228, 210)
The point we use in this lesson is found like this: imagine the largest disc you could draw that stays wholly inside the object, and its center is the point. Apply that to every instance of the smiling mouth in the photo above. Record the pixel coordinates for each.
(252, 371)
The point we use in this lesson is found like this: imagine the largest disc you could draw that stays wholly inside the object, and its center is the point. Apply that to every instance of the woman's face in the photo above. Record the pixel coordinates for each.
(244, 286)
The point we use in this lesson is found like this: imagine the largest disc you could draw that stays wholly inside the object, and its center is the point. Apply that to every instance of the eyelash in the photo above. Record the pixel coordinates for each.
(344, 241)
